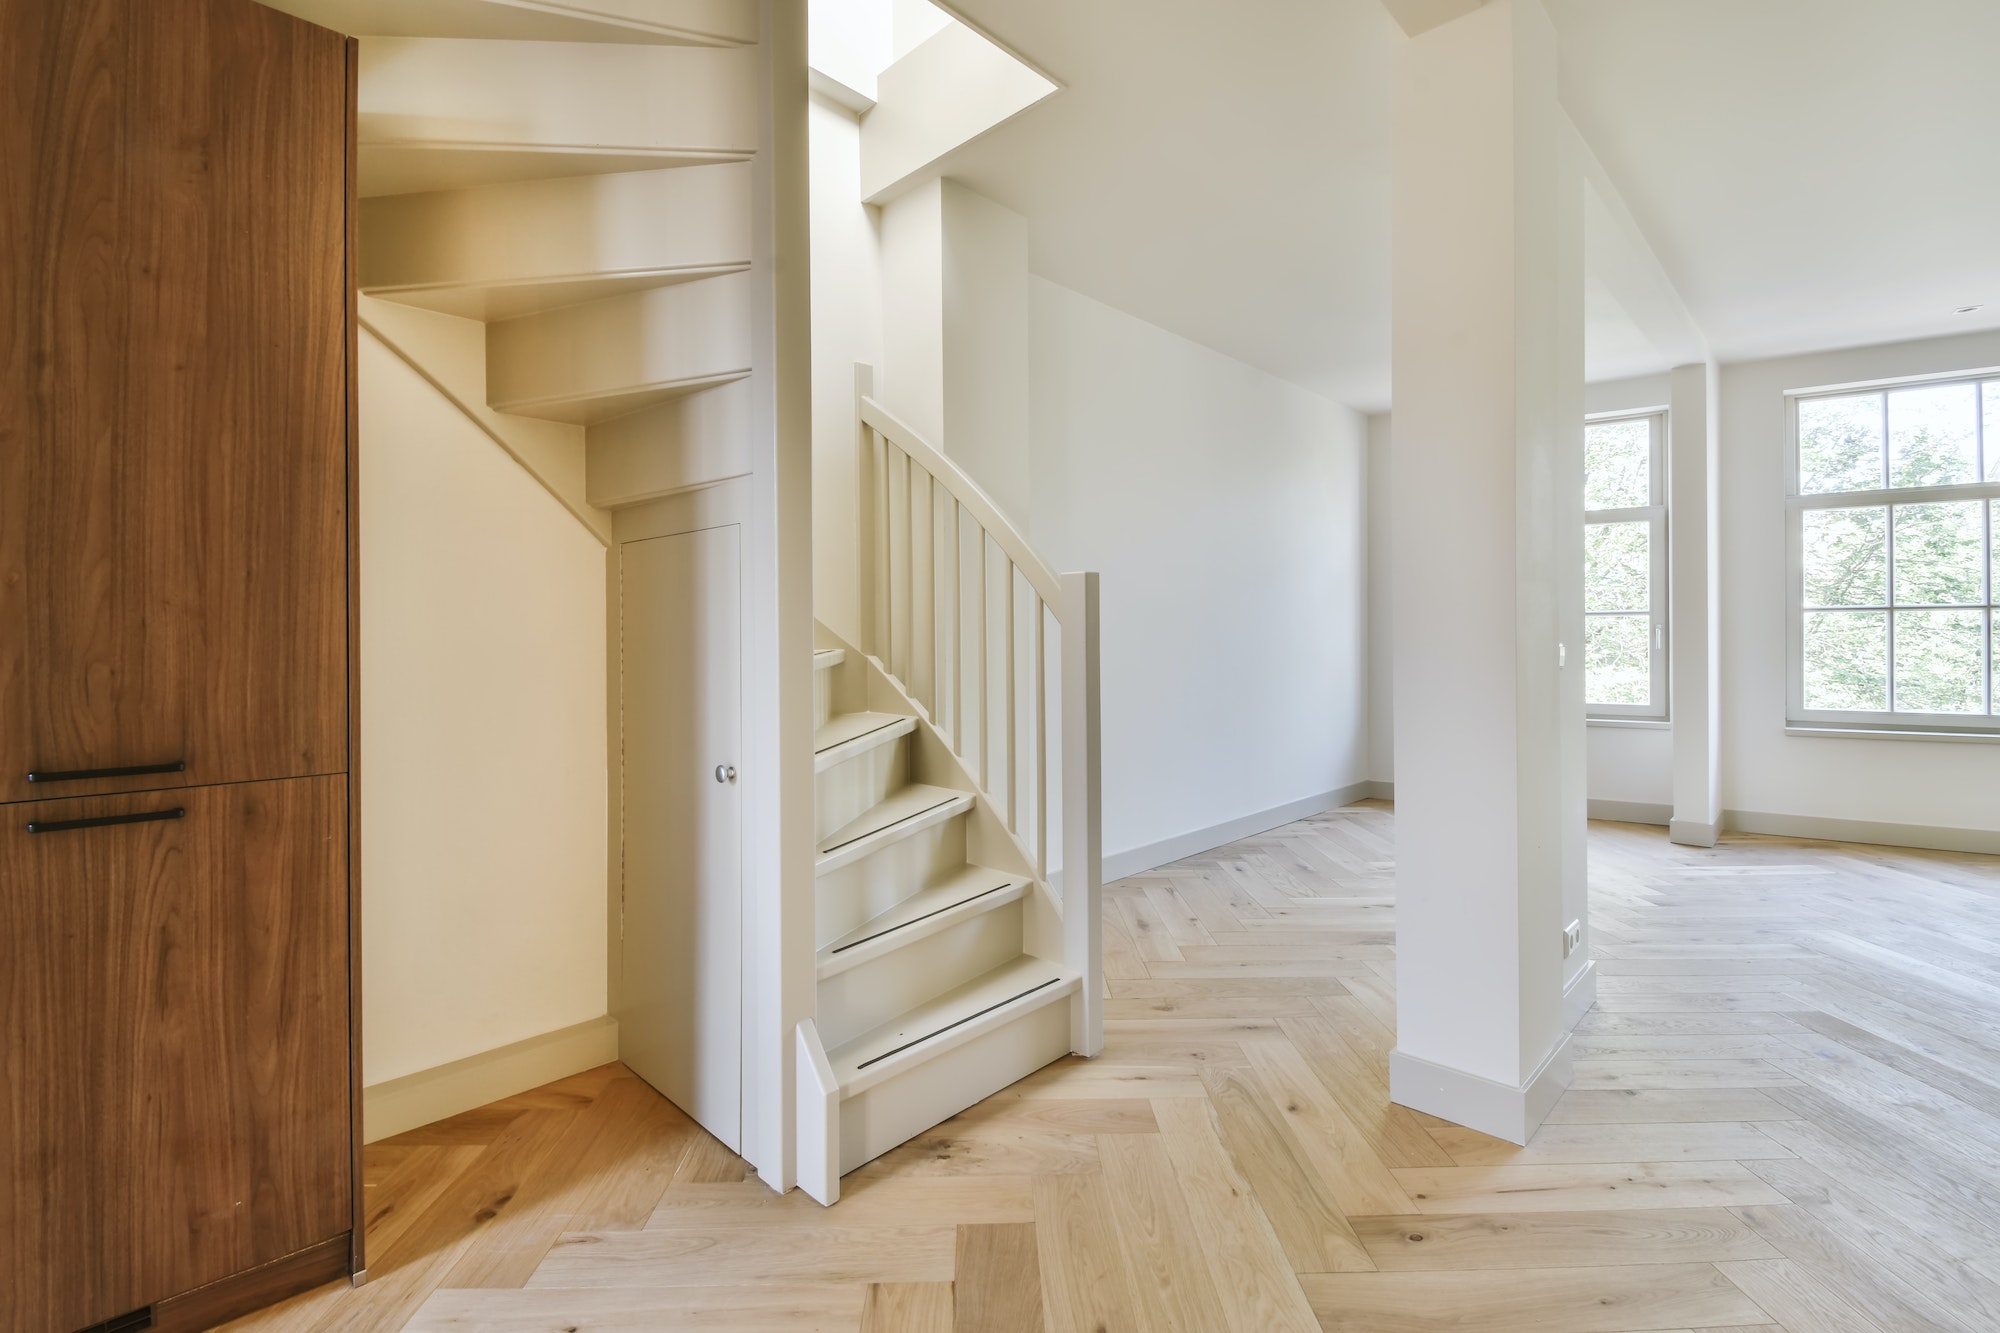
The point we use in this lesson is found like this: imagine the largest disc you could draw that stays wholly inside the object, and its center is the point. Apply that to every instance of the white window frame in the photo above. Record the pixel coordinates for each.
(1887, 496)
(1655, 516)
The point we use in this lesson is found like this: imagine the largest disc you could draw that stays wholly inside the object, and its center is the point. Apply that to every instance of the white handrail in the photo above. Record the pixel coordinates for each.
(976, 501)
(915, 608)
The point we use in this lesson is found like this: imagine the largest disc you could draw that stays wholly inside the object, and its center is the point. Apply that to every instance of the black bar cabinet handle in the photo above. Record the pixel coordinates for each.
(66, 825)
(135, 771)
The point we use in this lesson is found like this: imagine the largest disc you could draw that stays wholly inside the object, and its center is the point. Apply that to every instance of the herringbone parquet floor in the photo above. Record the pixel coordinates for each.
(1786, 1116)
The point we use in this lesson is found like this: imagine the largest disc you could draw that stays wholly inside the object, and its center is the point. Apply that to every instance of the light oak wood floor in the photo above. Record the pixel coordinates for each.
(1786, 1115)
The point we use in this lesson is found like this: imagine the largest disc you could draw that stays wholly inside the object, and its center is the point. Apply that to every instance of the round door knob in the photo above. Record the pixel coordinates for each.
(725, 772)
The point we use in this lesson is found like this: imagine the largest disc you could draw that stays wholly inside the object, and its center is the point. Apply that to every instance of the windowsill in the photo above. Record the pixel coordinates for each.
(1875, 734)
(1630, 723)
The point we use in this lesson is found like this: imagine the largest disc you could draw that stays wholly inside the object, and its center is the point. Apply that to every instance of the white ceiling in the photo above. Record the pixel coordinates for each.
(1812, 173)
(1219, 170)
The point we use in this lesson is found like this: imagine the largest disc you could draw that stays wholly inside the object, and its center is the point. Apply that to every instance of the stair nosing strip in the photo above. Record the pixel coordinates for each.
(939, 1032)
(861, 736)
(915, 814)
(905, 925)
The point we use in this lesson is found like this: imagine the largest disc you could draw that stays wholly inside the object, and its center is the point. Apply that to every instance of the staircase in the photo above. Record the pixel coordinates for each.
(556, 231)
(949, 965)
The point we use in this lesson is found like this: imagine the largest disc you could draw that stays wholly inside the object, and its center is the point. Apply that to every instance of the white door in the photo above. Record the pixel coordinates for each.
(681, 1012)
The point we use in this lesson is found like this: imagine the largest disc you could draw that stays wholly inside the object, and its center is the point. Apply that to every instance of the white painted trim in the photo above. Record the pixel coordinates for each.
(1480, 1103)
(1137, 860)
(1693, 833)
(1630, 723)
(1580, 995)
(431, 1095)
(1376, 789)
(1816, 828)
(1632, 812)
(1892, 734)
(818, 1118)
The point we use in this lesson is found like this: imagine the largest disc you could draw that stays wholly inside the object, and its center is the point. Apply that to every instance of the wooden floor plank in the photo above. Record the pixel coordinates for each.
(1785, 1117)
(997, 1287)
(1544, 1300)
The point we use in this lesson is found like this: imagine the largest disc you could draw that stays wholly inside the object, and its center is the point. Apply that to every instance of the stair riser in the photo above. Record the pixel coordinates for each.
(859, 1000)
(822, 698)
(856, 893)
(853, 787)
(873, 1122)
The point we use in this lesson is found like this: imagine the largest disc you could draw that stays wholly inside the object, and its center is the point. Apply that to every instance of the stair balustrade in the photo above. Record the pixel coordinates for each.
(967, 618)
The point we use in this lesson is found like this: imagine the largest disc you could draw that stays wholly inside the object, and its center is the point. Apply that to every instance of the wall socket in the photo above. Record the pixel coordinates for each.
(1572, 938)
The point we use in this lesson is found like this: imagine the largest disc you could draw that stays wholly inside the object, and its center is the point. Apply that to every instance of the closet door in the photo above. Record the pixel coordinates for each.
(173, 369)
(680, 1024)
(173, 1087)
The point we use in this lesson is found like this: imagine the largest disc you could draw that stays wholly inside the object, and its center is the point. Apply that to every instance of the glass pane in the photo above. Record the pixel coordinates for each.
(1617, 659)
(1934, 435)
(1939, 549)
(1618, 464)
(1618, 568)
(1847, 556)
(1847, 660)
(1940, 661)
(1990, 394)
(1840, 444)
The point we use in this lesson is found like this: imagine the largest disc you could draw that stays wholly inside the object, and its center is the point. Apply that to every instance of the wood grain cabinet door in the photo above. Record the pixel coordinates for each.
(173, 369)
(174, 1013)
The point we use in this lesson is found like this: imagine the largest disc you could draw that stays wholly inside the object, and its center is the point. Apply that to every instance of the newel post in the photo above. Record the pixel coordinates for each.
(1082, 813)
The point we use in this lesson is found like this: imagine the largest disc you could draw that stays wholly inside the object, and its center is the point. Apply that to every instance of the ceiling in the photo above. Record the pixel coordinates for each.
(1219, 170)
(1812, 173)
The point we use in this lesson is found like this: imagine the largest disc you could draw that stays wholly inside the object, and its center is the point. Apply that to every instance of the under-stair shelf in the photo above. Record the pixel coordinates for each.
(960, 897)
(905, 813)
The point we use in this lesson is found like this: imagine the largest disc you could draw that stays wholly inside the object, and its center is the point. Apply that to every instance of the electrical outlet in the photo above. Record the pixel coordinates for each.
(1572, 938)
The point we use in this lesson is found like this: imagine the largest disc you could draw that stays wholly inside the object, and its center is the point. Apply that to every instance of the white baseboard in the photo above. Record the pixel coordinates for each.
(1137, 860)
(1378, 790)
(1580, 995)
(1694, 833)
(1931, 837)
(1632, 812)
(430, 1095)
(1479, 1103)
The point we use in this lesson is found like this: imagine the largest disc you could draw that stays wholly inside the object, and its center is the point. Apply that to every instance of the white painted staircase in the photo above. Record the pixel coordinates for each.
(949, 963)
(557, 233)
(929, 995)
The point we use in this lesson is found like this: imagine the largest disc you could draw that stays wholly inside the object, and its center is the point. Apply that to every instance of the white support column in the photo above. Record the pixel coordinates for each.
(1487, 579)
(1693, 417)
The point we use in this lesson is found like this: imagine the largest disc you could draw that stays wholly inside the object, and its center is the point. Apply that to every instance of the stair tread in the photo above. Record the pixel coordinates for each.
(828, 657)
(906, 803)
(1016, 980)
(961, 886)
(845, 727)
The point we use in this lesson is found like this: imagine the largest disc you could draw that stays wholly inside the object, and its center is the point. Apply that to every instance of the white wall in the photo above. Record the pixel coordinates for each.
(482, 743)
(846, 331)
(1224, 509)
(1381, 605)
(1764, 771)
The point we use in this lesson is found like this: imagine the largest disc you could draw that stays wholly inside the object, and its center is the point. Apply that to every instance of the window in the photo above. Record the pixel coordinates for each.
(1894, 492)
(1625, 567)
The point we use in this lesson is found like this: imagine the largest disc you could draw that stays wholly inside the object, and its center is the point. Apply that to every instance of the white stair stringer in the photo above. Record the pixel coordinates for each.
(933, 991)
